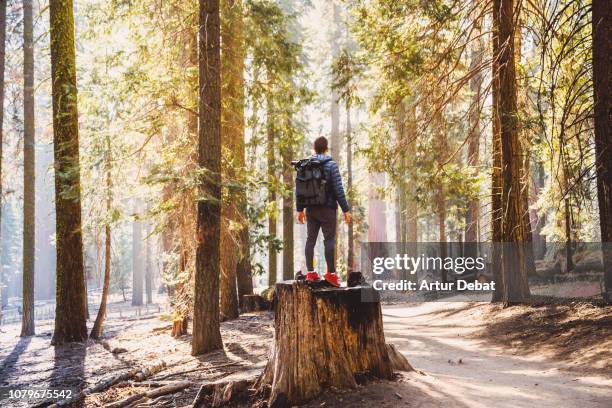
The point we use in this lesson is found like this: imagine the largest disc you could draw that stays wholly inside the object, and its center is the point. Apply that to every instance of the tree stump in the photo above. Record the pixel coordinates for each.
(179, 327)
(324, 337)
(253, 303)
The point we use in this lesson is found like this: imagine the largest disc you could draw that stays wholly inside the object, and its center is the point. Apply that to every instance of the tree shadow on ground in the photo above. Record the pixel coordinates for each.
(581, 332)
(69, 368)
(8, 365)
(383, 393)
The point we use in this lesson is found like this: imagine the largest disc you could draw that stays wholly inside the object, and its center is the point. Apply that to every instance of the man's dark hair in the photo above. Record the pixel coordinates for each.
(320, 145)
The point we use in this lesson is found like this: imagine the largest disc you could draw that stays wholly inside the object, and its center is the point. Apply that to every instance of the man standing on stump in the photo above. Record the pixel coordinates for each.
(323, 216)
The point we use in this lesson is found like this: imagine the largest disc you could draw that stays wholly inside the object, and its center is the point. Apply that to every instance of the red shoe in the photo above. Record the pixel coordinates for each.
(312, 276)
(333, 279)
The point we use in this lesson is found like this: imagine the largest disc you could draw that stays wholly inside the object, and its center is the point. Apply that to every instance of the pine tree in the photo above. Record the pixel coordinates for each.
(271, 159)
(96, 331)
(602, 86)
(137, 261)
(29, 198)
(232, 114)
(70, 313)
(286, 150)
(513, 234)
(206, 332)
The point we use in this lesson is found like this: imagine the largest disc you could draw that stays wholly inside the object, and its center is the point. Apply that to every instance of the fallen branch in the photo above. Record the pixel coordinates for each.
(165, 390)
(137, 375)
(197, 369)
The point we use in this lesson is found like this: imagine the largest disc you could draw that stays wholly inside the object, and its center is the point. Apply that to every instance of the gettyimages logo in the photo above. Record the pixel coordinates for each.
(459, 271)
(411, 264)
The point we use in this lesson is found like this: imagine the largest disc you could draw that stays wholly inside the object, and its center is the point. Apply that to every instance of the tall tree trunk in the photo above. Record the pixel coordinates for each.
(148, 267)
(602, 86)
(206, 332)
(271, 134)
(288, 244)
(349, 167)
(406, 129)
(440, 195)
(524, 143)
(2, 64)
(407, 183)
(539, 239)
(412, 211)
(187, 209)
(516, 287)
(232, 128)
(473, 160)
(496, 181)
(70, 312)
(29, 197)
(334, 140)
(96, 330)
(245, 277)
(236, 92)
(137, 261)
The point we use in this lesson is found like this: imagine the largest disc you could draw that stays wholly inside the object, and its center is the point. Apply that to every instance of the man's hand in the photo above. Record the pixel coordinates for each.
(347, 217)
(301, 217)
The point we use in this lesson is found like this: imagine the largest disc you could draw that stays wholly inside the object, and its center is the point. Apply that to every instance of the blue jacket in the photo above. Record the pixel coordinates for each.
(335, 194)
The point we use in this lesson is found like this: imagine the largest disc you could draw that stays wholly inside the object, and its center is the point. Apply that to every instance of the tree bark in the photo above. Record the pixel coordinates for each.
(349, 167)
(516, 287)
(96, 330)
(338, 337)
(602, 87)
(70, 312)
(29, 197)
(271, 136)
(206, 332)
(496, 181)
(288, 261)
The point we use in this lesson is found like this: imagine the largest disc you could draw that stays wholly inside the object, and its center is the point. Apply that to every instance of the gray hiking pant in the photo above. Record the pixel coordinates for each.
(323, 218)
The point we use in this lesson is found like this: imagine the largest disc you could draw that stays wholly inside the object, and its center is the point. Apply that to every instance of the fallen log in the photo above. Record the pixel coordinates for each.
(325, 337)
(165, 390)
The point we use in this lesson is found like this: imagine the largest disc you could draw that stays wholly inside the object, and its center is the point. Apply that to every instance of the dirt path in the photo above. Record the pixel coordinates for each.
(465, 370)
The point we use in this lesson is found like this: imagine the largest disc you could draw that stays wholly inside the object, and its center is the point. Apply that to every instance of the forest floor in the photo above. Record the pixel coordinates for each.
(467, 355)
